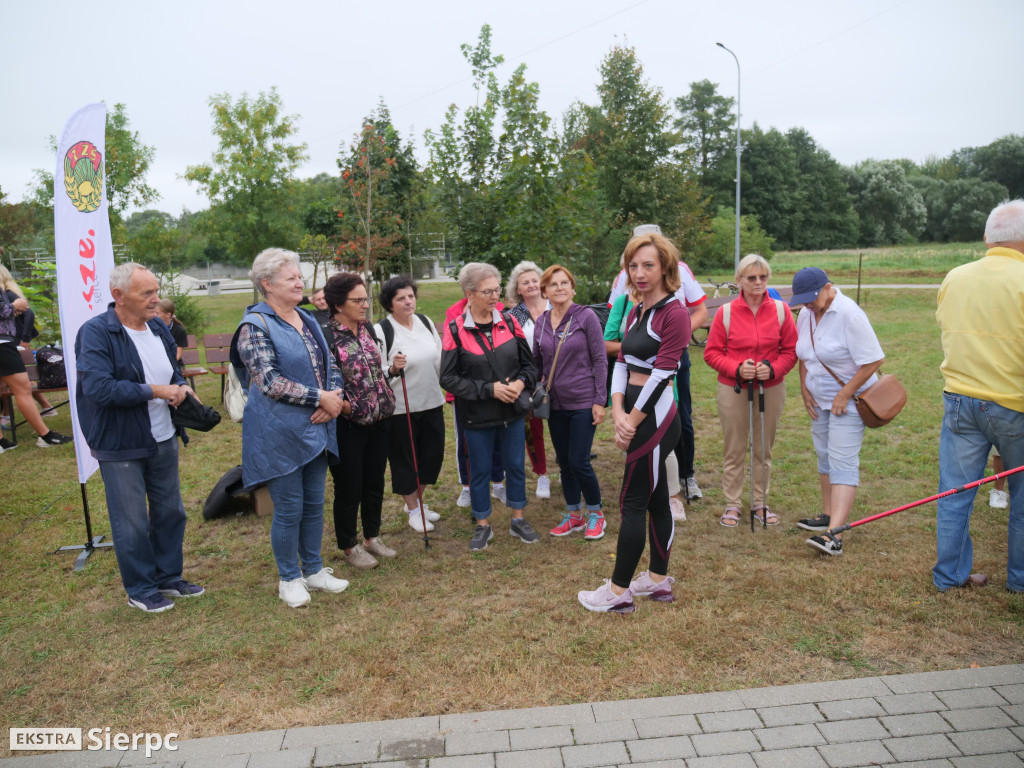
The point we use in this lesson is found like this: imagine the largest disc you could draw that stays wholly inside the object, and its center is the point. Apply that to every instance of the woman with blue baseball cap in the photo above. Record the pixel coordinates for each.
(839, 354)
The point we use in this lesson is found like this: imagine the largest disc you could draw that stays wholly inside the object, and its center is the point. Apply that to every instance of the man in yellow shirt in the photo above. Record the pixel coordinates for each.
(981, 315)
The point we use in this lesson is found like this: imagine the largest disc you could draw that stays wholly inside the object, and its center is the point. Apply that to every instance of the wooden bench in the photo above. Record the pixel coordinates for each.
(7, 397)
(218, 356)
(700, 335)
(190, 362)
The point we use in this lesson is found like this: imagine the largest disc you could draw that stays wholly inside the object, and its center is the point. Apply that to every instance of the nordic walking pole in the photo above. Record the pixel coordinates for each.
(415, 463)
(764, 461)
(750, 412)
(950, 492)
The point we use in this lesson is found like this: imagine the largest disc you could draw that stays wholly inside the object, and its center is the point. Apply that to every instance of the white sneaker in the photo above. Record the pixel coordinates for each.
(543, 487)
(294, 593)
(692, 490)
(416, 521)
(464, 499)
(498, 492)
(603, 600)
(324, 581)
(998, 499)
(432, 516)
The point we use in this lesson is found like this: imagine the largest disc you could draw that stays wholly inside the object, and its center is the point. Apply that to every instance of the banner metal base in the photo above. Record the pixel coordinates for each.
(87, 549)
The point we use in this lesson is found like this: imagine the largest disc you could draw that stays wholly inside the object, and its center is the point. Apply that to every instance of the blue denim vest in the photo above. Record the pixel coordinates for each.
(278, 437)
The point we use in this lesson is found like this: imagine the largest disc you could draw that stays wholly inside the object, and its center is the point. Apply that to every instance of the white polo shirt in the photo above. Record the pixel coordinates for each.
(844, 340)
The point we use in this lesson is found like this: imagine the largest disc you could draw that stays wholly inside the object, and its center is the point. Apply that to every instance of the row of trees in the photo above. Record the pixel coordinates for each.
(504, 182)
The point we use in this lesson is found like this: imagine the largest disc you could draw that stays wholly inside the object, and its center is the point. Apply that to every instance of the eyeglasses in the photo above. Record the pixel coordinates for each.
(490, 293)
(756, 278)
(363, 302)
(563, 286)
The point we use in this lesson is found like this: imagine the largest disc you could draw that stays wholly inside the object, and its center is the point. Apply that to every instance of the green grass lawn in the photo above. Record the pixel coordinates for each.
(449, 631)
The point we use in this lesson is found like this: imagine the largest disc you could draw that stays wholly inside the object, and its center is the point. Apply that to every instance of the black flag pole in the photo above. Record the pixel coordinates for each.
(92, 543)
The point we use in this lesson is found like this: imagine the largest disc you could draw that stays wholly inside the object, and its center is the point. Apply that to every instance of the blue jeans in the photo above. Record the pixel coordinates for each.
(147, 543)
(969, 428)
(298, 527)
(497, 472)
(572, 435)
(481, 444)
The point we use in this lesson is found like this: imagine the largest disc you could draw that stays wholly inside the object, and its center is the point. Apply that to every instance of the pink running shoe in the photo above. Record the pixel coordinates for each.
(595, 526)
(570, 522)
(603, 600)
(644, 586)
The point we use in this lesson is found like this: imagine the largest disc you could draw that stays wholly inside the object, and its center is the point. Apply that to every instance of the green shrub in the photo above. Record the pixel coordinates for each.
(717, 253)
(186, 307)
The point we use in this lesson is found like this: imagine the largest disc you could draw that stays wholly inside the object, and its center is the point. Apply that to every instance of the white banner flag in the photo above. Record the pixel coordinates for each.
(85, 256)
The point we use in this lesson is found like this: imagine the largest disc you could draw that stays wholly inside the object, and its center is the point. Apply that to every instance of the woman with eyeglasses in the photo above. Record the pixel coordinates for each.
(752, 343)
(486, 364)
(367, 404)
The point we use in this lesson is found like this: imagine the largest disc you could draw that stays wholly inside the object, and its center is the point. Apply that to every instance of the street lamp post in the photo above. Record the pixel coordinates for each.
(739, 151)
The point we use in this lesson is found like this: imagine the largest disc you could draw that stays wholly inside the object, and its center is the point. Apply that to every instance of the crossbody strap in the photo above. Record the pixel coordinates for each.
(841, 382)
(558, 349)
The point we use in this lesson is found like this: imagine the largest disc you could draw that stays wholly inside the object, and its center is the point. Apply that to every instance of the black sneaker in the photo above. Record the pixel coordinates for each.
(825, 544)
(522, 531)
(819, 523)
(52, 438)
(181, 588)
(7, 445)
(481, 535)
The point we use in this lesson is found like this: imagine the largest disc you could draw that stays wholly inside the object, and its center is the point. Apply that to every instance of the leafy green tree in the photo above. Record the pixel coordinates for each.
(718, 251)
(824, 216)
(156, 243)
(891, 210)
(957, 209)
(706, 125)
(318, 251)
(1002, 161)
(772, 188)
(15, 221)
(248, 177)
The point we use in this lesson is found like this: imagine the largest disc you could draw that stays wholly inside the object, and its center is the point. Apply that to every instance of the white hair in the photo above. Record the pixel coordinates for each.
(475, 272)
(121, 275)
(1006, 223)
(512, 289)
(268, 263)
(752, 260)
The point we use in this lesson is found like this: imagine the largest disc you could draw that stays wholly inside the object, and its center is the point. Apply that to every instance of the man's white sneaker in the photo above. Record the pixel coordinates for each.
(294, 593)
(998, 499)
(464, 499)
(543, 487)
(416, 521)
(498, 492)
(324, 581)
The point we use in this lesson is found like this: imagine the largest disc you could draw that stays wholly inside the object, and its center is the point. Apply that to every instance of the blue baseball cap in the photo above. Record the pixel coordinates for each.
(807, 284)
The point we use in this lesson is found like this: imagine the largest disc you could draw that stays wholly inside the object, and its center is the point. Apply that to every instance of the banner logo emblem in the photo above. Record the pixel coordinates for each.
(83, 176)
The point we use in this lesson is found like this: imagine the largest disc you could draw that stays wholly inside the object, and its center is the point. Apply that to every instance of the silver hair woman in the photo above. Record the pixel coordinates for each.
(513, 295)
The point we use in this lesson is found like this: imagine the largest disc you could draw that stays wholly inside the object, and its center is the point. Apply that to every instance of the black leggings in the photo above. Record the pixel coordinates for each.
(645, 489)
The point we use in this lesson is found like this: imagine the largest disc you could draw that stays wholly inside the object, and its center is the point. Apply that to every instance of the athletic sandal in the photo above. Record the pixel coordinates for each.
(732, 515)
(759, 516)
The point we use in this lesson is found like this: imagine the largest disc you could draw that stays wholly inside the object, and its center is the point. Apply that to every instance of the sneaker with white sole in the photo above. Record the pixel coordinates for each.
(154, 603)
(359, 558)
(522, 531)
(52, 438)
(464, 499)
(294, 593)
(543, 487)
(6, 445)
(826, 544)
(432, 516)
(482, 534)
(181, 588)
(644, 586)
(692, 490)
(378, 548)
(998, 499)
(324, 581)
(595, 526)
(571, 521)
(677, 508)
(498, 492)
(819, 523)
(416, 521)
(603, 600)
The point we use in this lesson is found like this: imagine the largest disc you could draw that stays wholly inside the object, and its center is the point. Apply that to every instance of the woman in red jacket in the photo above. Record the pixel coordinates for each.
(752, 341)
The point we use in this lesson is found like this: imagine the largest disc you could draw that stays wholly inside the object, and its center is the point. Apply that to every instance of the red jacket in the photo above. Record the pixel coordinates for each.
(752, 337)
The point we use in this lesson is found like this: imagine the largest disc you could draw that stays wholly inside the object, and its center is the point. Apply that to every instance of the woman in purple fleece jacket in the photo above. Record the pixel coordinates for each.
(577, 392)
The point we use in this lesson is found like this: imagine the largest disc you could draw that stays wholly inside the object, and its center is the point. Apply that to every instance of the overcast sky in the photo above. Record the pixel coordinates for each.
(873, 78)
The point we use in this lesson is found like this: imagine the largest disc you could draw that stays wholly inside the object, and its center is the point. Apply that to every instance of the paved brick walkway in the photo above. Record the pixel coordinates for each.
(967, 718)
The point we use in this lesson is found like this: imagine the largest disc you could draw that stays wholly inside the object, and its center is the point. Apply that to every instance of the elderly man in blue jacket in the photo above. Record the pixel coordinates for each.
(127, 379)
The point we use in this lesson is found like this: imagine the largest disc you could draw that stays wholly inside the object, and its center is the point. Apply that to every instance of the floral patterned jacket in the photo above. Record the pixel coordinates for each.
(366, 387)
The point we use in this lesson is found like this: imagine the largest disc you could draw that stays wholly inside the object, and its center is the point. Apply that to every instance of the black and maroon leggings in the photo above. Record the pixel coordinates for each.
(645, 489)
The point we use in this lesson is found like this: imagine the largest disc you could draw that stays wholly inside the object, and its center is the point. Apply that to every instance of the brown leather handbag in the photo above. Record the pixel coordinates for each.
(878, 404)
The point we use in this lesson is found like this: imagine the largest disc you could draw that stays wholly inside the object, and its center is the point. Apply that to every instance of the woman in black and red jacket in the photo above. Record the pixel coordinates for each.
(486, 364)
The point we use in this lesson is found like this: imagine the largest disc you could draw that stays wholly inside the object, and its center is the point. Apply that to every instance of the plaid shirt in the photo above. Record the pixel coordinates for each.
(260, 358)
